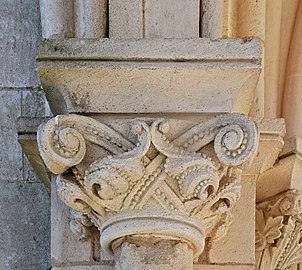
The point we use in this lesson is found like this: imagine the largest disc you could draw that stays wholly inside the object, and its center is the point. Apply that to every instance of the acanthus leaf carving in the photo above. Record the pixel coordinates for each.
(267, 231)
(279, 231)
(191, 180)
(80, 225)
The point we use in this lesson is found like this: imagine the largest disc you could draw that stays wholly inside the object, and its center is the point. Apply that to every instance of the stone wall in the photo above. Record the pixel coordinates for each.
(24, 203)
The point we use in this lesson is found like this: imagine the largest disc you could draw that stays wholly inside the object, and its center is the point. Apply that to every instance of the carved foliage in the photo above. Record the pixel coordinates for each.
(279, 231)
(196, 174)
(80, 225)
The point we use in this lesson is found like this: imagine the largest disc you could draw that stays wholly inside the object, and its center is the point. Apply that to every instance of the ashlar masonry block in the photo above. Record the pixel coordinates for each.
(141, 76)
(125, 18)
(172, 18)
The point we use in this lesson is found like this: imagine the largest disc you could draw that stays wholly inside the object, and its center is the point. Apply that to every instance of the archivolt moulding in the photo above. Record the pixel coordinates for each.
(170, 179)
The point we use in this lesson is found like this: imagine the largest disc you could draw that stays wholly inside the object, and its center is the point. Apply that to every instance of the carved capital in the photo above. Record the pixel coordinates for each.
(279, 231)
(170, 179)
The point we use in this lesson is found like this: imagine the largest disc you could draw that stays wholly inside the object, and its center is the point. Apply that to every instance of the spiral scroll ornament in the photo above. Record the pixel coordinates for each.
(234, 144)
(61, 147)
(123, 173)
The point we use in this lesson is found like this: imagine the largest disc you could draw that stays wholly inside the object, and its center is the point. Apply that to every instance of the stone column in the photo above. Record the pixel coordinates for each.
(158, 188)
(152, 253)
(90, 18)
(74, 18)
(57, 18)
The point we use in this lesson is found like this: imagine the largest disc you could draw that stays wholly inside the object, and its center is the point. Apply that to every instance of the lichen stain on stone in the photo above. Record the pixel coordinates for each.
(81, 100)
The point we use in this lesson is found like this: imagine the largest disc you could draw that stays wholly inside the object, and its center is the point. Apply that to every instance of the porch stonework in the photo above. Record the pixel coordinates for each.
(166, 148)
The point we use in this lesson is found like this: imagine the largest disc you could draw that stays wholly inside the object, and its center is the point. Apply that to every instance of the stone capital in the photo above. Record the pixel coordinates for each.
(279, 231)
(169, 179)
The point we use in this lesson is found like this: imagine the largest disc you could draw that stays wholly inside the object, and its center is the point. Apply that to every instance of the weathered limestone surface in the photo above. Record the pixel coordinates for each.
(10, 161)
(63, 240)
(141, 76)
(223, 267)
(14, 104)
(57, 18)
(271, 141)
(91, 18)
(85, 267)
(271, 132)
(244, 19)
(141, 50)
(226, 250)
(73, 18)
(24, 203)
(270, 146)
(25, 226)
(195, 267)
(171, 66)
(19, 31)
(126, 18)
(181, 190)
(286, 173)
(151, 254)
(154, 19)
(171, 18)
(212, 19)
